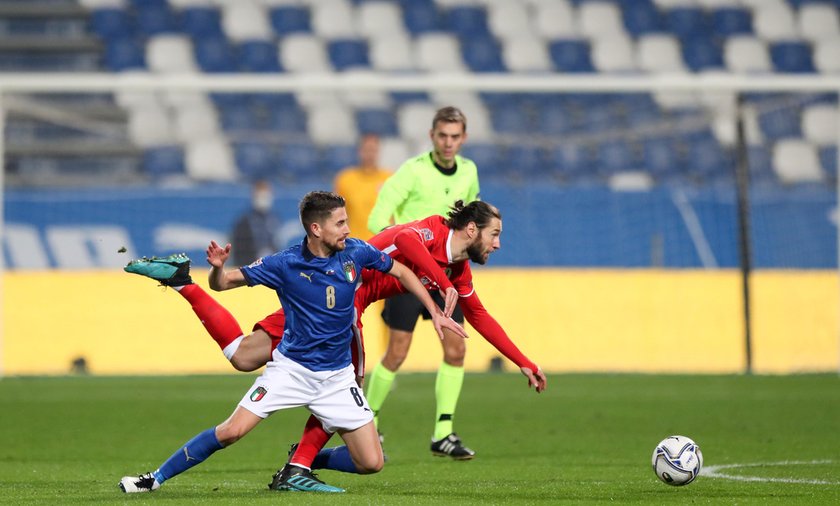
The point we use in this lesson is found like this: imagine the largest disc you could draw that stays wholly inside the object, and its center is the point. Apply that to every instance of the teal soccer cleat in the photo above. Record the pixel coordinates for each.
(173, 270)
(298, 479)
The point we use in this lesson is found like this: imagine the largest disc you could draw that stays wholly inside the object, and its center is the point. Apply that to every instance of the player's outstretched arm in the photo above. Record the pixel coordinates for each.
(412, 284)
(219, 279)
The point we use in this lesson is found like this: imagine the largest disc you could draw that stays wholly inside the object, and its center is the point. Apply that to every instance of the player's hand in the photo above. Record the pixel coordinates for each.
(216, 255)
(442, 322)
(535, 379)
(450, 297)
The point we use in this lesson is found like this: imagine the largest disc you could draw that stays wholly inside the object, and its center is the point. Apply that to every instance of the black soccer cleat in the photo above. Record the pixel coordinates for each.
(298, 479)
(451, 446)
(173, 270)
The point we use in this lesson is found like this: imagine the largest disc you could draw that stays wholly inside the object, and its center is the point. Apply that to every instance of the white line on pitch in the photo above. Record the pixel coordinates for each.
(714, 472)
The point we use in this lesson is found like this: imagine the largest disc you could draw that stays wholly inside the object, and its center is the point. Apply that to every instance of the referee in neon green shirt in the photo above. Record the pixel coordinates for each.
(425, 185)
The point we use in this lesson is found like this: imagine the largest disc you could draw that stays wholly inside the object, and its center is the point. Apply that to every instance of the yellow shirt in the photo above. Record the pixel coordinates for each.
(359, 188)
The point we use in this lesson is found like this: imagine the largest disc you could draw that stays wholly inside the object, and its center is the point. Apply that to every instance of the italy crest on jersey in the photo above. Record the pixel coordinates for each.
(349, 271)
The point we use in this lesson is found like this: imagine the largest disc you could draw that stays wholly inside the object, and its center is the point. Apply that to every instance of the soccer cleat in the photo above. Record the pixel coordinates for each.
(298, 479)
(143, 483)
(173, 270)
(451, 446)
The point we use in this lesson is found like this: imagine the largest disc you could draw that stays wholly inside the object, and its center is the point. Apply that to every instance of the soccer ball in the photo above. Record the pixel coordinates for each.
(677, 460)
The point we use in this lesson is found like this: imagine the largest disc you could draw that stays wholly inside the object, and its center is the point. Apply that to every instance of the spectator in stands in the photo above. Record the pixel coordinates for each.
(254, 234)
(360, 185)
(428, 184)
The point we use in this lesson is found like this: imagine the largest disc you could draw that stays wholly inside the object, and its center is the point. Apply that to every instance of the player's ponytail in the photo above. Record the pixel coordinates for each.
(477, 211)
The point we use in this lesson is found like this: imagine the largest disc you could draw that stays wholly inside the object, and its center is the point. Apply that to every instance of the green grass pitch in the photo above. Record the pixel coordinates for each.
(587, 439)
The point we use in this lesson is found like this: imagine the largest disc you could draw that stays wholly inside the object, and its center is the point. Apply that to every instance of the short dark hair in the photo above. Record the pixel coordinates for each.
(477, 211)
(449, 114)
(316, 206)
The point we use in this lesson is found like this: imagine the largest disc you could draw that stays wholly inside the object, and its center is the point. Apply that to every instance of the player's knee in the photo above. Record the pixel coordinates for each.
(453, 354)
(228, 433)
(371, 465)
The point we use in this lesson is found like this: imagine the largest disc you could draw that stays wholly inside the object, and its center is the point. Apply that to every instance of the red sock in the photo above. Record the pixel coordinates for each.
(218, 321)
(313, 440)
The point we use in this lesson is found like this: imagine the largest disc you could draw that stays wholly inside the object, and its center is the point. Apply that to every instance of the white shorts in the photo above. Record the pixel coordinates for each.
(332, 396)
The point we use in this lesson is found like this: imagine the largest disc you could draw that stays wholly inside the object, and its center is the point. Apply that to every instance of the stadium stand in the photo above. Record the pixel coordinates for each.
(156, 139)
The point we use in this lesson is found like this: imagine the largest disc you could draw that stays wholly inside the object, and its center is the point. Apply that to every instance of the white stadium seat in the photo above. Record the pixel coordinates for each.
(659, 53)
(820, 124)
(414, 120)
(555, 20)
(438, 52)
(796, 161)
(508, 19)
(746, 54)
(394, 53)
(525, 53)
(825, 56)
(150, 126)
(600, 19)
(304, 53)
(210, 159)
(170, 54)
(819, 22)
(195, 123)
(245, 20)
(775, 22)
(616, 54)
(393, 151)
(379, 20)
(334, 19)
(332, 125)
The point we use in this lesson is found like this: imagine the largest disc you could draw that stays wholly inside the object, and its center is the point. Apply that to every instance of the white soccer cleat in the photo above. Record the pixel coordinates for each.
(143, 483)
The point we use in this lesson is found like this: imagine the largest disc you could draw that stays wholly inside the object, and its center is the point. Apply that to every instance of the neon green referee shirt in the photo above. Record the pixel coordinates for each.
(419, 189)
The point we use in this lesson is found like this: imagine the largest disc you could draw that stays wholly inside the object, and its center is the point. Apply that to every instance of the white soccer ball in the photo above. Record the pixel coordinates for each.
(677, 460)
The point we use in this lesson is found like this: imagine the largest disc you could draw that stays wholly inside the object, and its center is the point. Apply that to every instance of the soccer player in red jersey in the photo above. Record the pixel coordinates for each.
(437, 249)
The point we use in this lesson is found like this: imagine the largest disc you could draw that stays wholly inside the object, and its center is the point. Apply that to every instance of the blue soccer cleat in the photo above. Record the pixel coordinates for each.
(173, 270)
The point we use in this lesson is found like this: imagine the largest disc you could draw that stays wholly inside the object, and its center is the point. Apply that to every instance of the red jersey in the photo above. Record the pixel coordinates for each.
(424, 246)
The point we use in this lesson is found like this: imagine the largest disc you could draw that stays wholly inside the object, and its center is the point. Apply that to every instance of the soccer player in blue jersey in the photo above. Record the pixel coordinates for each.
(316, 282)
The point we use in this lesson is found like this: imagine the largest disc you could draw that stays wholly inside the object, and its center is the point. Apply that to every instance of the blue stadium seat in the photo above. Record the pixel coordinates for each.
(661, 156)
(467, 21)
(255, 160)
(573, 162)
(688, 22)
(339, 156)
(708, 160)
(301, 161)
(111, 23)
(272, 100)
(828, 160)
(780, 123)
(236, 118)
(760, 165)
(259, 56)
(221, 100)
(729, 21)
(555, 118)
(527, 161)
(482, 54)
(791, 57)
(153, 19)
(701, 52)
(571, 55)
(201, 22)
(510, 118)
(289, 118)
(421, 16)
(377, 121)
(490, 159)
(405, 97)
(125, 53)
(615, 156)
(641, 17)
(290, 19)
(215, 54)
(346, 54)
(164, 161)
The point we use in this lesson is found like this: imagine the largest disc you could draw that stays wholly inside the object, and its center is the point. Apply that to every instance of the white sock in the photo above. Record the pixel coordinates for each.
(230, 349)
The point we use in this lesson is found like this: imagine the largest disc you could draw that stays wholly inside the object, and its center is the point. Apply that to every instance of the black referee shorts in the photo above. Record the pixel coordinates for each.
(401, 311)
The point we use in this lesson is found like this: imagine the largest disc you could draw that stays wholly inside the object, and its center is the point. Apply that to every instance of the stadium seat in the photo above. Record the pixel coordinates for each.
(702, 53)
(708, 160)
(245, 20)
(195, 122)
(825, 56)
(642, 17)
(555, 20)
(379, 20)
(729, 21)
(331, 125)
(336, 157)
(820, 124)
(348, 53)
(288, 19)
(259, 56)
(164, 161)
(796, 161)
(210, 159)
(510, 118)
(760, 166)
(376, 121)
(287, 118)
(574, 162)
(111, 23)
(688, 22)
(746, 54)
(818, 22)
(661, 156)
(236, 119)
(570, 55)
(365, 99)
(508, 20)
(616, 54)
(828, 161)
(154, 19)
(597, 20)
(150, 126)
(170, 54)
(304, 53)
(615, 156)
(482, 54)
(554, 119)
(527, 161)
(489, 158)
(255, 160)
(393, 53)
(414, 120)
(215, 54)
(467, 21)
(792, 57)
(421, 16)
(775, 22)
(200, 22)
(525, 53)
(334, 19)
(438, 52)
(659, 53)
(124, 54)
(301, 161)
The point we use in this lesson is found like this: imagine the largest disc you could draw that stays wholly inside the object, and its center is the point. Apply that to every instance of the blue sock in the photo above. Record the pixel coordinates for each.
(336, 459)
(194, 452)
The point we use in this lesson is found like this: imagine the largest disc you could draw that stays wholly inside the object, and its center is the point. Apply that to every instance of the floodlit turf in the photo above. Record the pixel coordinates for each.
(587, 439)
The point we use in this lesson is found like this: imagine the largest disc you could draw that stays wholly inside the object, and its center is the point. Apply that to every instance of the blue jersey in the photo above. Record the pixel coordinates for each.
(317, 296)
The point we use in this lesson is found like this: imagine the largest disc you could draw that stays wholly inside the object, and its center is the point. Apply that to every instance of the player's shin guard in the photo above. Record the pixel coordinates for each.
(447, 390)
(193, 453)
(313, 440)
(378, 386)
(220, 324)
